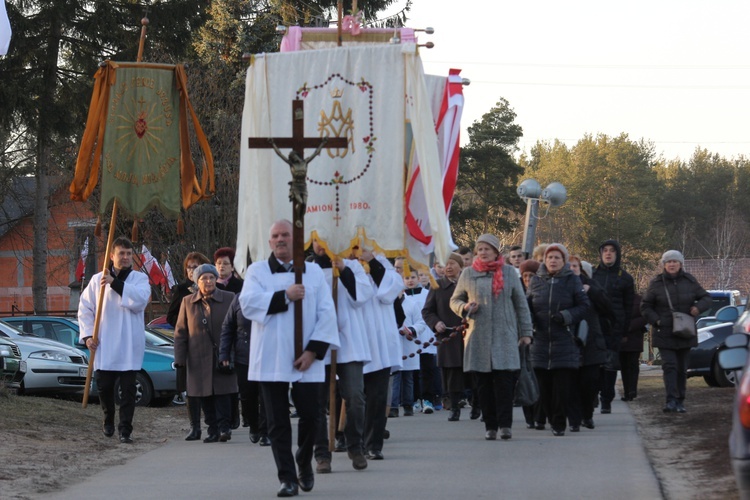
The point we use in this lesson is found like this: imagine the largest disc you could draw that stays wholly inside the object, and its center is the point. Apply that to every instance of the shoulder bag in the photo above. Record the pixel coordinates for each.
(683, 325)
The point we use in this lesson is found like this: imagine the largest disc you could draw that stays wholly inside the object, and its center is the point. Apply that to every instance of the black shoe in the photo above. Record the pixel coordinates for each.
(195, 434)
(374, 455)
(235, 422)
(505, 433)
(393, 413)
(212, 438)
(340, 445)
(490, 435)
(588, 423)
(254, 437)
(606, 408)
(225, 436)
(245, 423)
(455, 415)
(264, 441)
(575, 428)
(670, 407)
(386, 434)
(126, 439)
(359, 461)
(408, 411)
(626, 399)
(681, 408)
(306, 479)
(288, 489)
(475, 413)
(108, 430)
(539, 426)
(558, 433)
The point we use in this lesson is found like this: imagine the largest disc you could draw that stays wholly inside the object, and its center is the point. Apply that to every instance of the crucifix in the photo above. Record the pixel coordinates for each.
(298, 191)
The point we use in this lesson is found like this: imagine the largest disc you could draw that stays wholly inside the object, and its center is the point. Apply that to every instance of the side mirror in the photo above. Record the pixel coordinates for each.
(737, 340)
(733, 359)
(727, 314)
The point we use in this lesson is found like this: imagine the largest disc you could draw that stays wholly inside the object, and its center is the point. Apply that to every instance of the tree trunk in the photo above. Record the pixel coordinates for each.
(44, 145)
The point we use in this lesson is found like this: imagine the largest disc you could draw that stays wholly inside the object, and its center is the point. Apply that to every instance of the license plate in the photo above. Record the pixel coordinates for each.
(82, 371)
(23, 367)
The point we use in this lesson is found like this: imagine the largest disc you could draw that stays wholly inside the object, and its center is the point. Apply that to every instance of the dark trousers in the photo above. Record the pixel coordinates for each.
(674, 363)
(251, 402)
(376, 402)
(350, 384)
(427, 374)
(554, 389)
(105, 382)
(630, 368)
(607, 383)
(276, 401)
(496, 397)
(584, 385)
(217, 410)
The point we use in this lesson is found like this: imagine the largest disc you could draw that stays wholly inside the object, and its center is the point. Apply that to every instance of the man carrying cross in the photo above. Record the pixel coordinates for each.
(265, 298)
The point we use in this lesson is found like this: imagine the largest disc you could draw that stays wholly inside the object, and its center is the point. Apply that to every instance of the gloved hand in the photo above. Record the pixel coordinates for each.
(558, 318)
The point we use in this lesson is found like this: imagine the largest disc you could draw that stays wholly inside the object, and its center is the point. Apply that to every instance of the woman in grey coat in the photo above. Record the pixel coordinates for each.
(490, 295)
(196, 345)
(687, 296)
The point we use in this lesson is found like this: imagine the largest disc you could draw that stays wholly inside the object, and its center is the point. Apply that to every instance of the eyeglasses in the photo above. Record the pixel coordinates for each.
(192, 268)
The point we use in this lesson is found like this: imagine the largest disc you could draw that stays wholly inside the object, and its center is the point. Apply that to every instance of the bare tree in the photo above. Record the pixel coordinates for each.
(728, 239)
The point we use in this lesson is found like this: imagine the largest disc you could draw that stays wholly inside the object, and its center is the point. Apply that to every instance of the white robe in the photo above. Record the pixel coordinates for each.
(352, 332)
(413, 311)
(122, 333)
(428, 334)
(272, 339)
(380, 321)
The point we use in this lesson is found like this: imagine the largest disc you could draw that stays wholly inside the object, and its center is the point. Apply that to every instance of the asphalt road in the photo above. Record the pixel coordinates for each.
(426, 457)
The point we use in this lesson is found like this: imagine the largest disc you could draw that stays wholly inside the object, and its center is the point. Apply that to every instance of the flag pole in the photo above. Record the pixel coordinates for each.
(110, 239)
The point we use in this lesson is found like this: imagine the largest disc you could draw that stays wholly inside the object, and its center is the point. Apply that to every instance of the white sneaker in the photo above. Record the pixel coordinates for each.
(427, 407)
(418, 405)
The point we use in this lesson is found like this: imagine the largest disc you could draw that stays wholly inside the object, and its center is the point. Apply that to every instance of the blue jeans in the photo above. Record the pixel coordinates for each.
(403, 389)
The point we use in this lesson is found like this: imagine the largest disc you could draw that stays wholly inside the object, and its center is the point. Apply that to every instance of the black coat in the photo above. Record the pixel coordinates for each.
(633, 342)
(554, 345)
(234, 285)
(235, 335)
(179, 292)
(684, 292)
(620, 288)
(595, 351)
(437, 307)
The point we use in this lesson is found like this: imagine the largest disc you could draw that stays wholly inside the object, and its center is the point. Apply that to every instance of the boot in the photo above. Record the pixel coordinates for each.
(194, 413)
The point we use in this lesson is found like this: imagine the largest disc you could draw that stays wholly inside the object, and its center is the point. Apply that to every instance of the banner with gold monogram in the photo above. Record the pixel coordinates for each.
(137, 131)
(354, 193)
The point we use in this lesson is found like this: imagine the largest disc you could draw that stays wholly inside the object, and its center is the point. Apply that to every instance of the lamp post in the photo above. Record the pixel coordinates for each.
(532, 193)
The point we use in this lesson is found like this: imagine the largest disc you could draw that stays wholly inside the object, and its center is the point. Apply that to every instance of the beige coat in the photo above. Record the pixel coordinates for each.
(491, 341)
(194, 344)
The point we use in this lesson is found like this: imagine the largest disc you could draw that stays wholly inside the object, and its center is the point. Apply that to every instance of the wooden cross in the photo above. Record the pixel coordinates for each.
(297, 161)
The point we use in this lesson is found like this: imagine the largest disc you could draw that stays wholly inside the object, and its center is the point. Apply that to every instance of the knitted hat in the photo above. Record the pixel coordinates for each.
(672, 255)
(457, 258)
(587, 268)
(529, 266)
(203, 269)
(560, 248)
(491, 240)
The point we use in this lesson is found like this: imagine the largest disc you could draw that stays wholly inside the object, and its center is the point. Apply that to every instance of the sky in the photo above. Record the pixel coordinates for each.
(676, 73)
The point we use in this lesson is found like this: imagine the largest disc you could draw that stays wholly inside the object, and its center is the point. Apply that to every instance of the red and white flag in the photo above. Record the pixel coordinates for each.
(158, 275)
(5, 30)
(81, 266)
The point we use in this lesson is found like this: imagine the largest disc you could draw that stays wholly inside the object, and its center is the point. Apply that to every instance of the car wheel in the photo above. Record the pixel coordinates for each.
(724, 378)
(144, 393)
(710, 380)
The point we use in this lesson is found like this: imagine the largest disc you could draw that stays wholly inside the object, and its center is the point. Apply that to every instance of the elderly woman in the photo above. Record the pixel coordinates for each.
(224, 262)
(558, 303)
(443, 321)
(687, 296)
(196, 346)
(182, 290)
(490, 295)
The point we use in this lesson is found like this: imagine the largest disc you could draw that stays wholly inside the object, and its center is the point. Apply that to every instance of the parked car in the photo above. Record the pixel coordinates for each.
(703, 360)
(12, 367)
(161, 325)
(156, 382)
(51, 366)
(722, 298)
(735, 358)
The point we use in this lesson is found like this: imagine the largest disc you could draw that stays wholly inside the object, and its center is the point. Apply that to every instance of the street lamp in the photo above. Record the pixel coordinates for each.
(532, 193)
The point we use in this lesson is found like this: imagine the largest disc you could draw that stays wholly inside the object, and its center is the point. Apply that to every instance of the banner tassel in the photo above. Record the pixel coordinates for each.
(134, 232)
(98, 227)
(180, 226)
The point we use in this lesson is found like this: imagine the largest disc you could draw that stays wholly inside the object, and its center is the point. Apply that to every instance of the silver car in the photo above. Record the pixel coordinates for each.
(52, 367)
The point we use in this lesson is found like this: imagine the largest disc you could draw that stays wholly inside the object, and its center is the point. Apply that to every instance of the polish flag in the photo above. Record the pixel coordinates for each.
(5, 30)
(81, 266)
(158, 275)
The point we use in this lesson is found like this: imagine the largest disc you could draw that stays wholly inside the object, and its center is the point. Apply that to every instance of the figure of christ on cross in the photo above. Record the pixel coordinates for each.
(298, 191)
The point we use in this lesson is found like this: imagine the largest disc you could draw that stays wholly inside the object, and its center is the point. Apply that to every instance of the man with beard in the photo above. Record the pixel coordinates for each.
(266, 299)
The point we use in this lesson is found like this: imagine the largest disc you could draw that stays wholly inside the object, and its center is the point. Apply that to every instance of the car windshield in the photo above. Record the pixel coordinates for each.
(154, 339)
(13, 331)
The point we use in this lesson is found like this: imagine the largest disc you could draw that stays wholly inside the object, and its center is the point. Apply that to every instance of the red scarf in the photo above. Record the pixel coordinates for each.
(495, 266)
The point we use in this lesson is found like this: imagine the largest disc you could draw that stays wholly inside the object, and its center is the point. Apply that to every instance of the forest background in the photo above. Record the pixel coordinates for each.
(617, 187)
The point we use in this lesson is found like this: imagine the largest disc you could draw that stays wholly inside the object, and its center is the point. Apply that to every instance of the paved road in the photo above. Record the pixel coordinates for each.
(426, 457)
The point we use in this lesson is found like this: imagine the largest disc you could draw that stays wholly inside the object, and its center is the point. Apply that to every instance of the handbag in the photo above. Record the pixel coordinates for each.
(582, 332)
(527, 387)
(683, 325)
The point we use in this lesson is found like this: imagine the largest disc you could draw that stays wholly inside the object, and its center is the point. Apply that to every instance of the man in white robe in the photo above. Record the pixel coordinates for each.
(266, 299)
(122, 335)
(353, 291)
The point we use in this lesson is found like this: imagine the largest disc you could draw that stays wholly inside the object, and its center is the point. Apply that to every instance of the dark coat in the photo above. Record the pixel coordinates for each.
(194, 344)
(234, 285)
(179, 292)
(554, 346)
(620, 288)
(235, 335)
(685, 292)
(595, 351)
(437, 307)
(633, 342)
